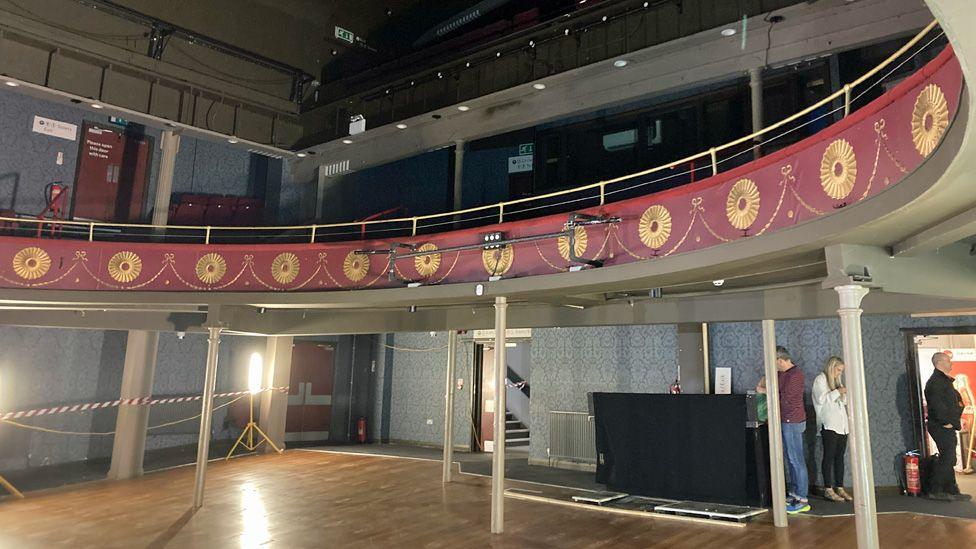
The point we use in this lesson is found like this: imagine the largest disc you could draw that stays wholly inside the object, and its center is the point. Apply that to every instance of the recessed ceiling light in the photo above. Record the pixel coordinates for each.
(539, 86)
(728, 32)
(347, 141)
(718, 282)
(301, 155)
(11, 83)
(401, 126)
(464, 108)
(96, 106)
(620, 63)
(498, 54)
(232, 139)
(531, 43)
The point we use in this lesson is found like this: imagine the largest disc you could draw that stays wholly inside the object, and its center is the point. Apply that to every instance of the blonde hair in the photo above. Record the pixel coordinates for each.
(833, 380)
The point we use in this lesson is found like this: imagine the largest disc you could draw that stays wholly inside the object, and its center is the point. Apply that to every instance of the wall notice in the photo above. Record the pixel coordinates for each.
(55, 128)
(723, 381)
(518, 164)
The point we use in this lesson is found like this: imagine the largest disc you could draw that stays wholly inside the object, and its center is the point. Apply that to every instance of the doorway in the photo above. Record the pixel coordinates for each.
(518, 393)
(960, 345)
(112, 176)
(310, 392)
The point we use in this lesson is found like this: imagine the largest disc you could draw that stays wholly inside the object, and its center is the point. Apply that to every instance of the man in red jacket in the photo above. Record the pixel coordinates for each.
(794, 423)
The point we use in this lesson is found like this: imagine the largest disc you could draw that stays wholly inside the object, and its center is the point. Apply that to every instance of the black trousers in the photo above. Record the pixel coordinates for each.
(942, 479)
(834, 447)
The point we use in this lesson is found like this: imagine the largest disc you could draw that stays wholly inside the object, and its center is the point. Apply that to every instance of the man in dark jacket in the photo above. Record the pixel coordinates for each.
(944, 410)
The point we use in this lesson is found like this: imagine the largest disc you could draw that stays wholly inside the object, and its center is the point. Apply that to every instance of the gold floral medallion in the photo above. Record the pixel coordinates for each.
(211, 268)
(838, 169)
(31, 263)
(428, 264)
(285, 267)
(579, 243)
(930, 118)
(355, 266)
(655, 226)
(124, 266)
(498, 261)
(742, 204)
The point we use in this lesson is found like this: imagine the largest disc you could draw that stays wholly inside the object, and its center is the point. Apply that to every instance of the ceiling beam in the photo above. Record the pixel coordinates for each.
(954, 229)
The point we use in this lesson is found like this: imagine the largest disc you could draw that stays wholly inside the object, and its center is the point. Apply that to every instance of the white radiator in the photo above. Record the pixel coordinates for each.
(572, 437)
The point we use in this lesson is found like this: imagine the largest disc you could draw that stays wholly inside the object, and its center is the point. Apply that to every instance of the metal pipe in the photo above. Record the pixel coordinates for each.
(777, 476)
(449, 404)
(206, 415)
(756, 95)
(458, 172)
(498, 451)
(862, 469)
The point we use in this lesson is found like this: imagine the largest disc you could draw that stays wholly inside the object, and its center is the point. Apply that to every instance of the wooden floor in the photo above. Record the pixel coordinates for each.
(314, 499)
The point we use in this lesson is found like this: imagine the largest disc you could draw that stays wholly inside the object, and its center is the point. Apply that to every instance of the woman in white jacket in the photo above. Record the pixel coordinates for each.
(830, 403)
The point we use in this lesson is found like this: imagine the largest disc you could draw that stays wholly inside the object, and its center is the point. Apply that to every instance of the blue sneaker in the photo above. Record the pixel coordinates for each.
(797, 506)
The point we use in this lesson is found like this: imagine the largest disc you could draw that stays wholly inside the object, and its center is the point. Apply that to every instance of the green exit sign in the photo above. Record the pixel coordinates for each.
(526, 148)
(344, 35)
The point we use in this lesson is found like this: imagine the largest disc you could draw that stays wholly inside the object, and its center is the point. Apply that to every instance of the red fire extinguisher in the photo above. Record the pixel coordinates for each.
(361, 430)
(913, 487)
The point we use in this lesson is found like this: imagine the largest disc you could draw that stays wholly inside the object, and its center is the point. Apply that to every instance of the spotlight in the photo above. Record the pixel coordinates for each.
(491, 241)
(566, 32)
(498, 54)
(539, 86)
(728, 32)
(718, 282)
(620, 63)
(464, 108)
(604, 19)
(401, 126)
(347, 141)
(531, 43)
(335, 53)
(254, 374)
(440, 75)
(645, 4)
(468, 64)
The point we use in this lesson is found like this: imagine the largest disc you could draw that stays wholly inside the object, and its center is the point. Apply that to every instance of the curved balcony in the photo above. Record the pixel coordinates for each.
(844, 184)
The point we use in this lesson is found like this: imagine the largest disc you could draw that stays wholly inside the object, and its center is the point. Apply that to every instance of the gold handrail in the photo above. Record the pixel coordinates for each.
(711, 154)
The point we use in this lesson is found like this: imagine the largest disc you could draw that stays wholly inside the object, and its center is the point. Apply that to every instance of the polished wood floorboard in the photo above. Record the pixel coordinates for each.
(317, 499)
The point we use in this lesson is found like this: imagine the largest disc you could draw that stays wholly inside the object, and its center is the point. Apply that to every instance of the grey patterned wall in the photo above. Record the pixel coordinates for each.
(42, 367)
(811, 342)
(417, 383)
(568, 363)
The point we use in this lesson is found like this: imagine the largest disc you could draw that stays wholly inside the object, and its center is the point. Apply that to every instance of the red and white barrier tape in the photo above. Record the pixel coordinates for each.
(140, 401)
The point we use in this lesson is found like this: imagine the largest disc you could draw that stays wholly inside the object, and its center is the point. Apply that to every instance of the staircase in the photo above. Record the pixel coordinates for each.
(516, 434)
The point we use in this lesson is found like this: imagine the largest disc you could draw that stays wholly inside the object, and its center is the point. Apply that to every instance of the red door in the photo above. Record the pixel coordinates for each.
(310, 392)
(112, 174)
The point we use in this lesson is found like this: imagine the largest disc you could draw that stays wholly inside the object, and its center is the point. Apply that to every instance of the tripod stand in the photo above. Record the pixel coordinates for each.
(249, 431)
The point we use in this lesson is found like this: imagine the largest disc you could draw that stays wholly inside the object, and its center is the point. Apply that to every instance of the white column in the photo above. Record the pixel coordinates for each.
(458, 172)
(170, 145)
(449, 404)
(777, 476)
(498, 452)
(129, 445)
(756, 89)
(206, 414)
(274, 405)
(865, 508)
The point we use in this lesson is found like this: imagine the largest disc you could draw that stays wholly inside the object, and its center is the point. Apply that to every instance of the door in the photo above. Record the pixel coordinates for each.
(310, 392)
(487, 399)
(112, 174)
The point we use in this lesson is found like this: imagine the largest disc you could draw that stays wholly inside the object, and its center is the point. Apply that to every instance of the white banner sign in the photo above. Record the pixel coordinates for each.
(55, 128)
(518, 164)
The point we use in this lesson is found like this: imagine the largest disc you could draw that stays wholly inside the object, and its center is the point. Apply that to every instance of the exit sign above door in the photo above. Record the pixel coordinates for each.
(526, 148)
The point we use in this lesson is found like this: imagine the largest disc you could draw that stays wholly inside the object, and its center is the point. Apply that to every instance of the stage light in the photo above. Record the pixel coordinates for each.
(11, 83)
(620, 63)
(491, 241)
(718, 282)
(539, 86)
(255, 369)
(401, 126)
(728, 32)
(347, 141)
(464, 108)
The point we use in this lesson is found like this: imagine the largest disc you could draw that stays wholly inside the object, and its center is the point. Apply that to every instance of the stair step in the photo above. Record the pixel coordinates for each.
(517, 442)
(516, 431)
(512, 421)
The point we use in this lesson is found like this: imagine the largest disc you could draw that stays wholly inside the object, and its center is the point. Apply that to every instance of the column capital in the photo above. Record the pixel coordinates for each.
(851, 295)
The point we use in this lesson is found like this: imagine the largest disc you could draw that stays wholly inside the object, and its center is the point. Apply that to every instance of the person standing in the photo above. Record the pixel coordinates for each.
(830, 402)
(794, 422)
(945, 408)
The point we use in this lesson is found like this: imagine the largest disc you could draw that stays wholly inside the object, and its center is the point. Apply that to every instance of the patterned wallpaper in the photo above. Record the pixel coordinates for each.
(568, 363)
(417, 384)
(42, 367)
(811, 342)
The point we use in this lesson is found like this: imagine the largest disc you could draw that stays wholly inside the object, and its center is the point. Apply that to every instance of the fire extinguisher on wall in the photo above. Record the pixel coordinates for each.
(913, 485)
(361, 430)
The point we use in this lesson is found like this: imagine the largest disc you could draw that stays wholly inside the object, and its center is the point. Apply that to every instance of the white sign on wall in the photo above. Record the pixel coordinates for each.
(518, 164)
(723, 381)
(55, 128)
